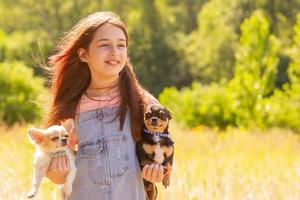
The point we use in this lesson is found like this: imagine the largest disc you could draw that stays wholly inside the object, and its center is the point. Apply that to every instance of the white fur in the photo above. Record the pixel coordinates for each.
(159, 154)
(41, 164)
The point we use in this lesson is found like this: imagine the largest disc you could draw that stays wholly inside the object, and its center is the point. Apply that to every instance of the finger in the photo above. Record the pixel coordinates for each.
(154, 172)
(59, 163)
(160, 174)
(54, 164)
(149, 171)
(67, 162)
(63, 163)
(144, 171)
(167, 168)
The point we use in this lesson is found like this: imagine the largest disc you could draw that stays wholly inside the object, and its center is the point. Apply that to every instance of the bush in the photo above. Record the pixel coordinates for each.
(19, 93)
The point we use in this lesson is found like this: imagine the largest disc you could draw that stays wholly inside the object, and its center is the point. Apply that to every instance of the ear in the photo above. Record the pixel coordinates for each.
(36, 135)
(82, 54)
(169, 113)
(69, 125)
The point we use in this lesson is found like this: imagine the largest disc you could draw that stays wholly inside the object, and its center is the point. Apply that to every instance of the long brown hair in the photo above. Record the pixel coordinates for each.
(71, 77)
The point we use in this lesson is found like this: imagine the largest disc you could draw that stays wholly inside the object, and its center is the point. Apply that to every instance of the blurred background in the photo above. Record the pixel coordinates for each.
(229, 70)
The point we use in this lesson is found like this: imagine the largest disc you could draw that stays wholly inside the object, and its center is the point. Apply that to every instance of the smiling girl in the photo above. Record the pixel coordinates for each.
(93, 82)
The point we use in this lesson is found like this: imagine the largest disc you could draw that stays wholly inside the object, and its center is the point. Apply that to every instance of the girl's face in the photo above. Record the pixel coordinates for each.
(107, 53)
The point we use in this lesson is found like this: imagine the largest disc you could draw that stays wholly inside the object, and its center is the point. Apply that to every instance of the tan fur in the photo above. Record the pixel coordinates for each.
(149, 149)
(159, 151)
(168, 150)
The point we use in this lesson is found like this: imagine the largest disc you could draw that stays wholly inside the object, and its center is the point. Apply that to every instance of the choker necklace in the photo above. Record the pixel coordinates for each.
(110, 86)
(115, 96)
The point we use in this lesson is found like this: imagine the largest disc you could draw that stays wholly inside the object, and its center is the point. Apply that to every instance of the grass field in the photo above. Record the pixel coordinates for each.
(235, 165)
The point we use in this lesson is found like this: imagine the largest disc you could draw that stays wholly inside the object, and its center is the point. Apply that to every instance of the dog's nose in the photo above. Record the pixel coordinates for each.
(154, 121)
(64, 142)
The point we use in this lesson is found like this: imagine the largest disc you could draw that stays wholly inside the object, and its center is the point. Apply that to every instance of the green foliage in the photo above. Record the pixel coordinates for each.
(19, 93)
(285, 104)
(250, 97)
(255, 71)
(247, 74)
(199, 104)
(188, 101)
(210, 48)
(154, 58)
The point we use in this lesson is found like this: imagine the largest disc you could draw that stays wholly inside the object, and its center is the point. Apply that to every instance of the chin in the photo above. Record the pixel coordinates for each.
(113, 71)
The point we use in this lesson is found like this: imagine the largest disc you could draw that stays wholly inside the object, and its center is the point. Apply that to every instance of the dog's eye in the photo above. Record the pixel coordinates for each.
(55, 139)
(147, 115)
(162, 115)
(66, 136)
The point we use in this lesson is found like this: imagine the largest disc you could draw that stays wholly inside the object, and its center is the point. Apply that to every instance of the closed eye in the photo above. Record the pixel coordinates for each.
(55, 139)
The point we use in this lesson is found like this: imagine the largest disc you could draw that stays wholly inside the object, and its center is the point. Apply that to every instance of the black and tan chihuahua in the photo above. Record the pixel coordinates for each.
(155, 145)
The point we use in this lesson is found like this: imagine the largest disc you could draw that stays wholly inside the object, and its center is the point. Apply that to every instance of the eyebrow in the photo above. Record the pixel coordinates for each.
(105, 39)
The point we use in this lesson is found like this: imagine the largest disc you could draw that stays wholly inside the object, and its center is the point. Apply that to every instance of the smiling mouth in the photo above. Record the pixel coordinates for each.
(112, 62)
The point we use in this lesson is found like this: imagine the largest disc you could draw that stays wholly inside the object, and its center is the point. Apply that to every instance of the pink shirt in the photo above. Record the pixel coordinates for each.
(108, 100)
(92, 103)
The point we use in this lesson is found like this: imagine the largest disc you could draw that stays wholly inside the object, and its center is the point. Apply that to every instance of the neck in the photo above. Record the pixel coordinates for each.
(97, 83)
(103, 86)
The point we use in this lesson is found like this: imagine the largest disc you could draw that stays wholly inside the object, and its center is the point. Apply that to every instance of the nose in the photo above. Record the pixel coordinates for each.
(154, 121)
(64, 142)
(114, 49)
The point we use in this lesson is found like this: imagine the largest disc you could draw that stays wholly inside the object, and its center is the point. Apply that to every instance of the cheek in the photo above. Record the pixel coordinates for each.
(123, 55)
(95, 55)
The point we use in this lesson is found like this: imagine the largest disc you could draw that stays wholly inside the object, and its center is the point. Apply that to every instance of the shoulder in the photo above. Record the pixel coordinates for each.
(149, 98)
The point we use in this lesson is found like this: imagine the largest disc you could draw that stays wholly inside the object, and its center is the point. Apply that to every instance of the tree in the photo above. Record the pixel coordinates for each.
(209, 49)
(255, 70)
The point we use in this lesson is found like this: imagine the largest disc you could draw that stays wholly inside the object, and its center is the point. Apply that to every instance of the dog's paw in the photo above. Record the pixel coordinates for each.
(31, 193)
(67, 189)
(166, 181)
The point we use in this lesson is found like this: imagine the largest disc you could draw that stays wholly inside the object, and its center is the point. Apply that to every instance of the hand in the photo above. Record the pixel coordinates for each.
(58, 169)
(153, 173)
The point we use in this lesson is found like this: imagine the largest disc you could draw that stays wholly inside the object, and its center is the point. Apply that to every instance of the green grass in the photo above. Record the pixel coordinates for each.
(235, 165)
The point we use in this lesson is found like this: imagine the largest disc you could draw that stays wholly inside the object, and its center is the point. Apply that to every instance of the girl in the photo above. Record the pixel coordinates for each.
(93, 82)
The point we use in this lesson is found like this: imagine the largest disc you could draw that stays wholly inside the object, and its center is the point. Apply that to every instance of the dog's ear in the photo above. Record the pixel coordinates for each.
(169, 114)
(36, 135)
(69, 125)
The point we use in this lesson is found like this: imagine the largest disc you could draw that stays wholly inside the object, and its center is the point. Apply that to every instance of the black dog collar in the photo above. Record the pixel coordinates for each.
(163, 134)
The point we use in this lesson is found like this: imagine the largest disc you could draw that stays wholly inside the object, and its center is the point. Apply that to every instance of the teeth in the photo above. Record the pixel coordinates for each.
(113, 62)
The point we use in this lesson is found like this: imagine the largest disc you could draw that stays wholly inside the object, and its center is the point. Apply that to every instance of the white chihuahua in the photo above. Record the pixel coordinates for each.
(52, 142)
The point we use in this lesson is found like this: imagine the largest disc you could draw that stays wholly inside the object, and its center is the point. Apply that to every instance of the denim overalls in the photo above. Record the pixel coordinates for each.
(107, 165)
